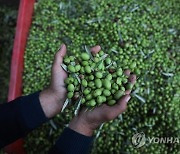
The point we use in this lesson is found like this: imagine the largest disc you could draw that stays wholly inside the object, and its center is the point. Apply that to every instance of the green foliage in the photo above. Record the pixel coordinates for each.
(140, 35)
(7, 29)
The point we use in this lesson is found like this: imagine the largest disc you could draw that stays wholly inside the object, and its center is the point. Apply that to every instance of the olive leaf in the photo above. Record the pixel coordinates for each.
(139, 97)
(53, 124)
(113, 50)
(99, 131)
(77, 77)
(64, 67)
(168, 74)
(104, 57)
(89, 52)
(65, 104)
(78, 106)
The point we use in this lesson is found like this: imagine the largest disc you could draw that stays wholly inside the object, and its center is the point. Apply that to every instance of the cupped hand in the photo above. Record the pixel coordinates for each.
(88, 120)
(52, 98)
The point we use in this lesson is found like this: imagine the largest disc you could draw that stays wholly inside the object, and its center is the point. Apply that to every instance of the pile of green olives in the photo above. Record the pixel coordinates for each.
(95, 79)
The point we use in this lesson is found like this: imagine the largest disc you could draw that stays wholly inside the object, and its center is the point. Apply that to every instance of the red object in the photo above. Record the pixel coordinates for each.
(17, 62)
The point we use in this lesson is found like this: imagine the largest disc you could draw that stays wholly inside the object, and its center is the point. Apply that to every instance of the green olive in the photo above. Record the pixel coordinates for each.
(70, 87)
(91, 103)
(99, 99)
(71, 68)
(97, 92)
(88, 97)
(107, 84)
(111, 102)
(85, 56)
(91, 77)
(66, 60)
(129, 86)
(99, 75)
(98, 83)
(70, 95)
(106, 92)
(108, 61)
(119, 72)
(84, 83)
(91, 84)
(77, 68)
(118, 94)
(87, 69)
(119, 81)
(85, 63)
(86, 91)
(109, 77)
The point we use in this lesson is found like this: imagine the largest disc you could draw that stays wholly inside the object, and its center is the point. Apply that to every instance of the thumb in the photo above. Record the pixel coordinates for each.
(58, 59)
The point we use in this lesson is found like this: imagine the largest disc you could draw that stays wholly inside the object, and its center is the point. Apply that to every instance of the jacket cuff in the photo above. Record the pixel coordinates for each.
(30, 110)
(72, 142)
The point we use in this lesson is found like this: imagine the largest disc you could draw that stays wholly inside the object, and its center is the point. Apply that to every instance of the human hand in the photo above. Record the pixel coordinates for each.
(52, 98)
(87, 121)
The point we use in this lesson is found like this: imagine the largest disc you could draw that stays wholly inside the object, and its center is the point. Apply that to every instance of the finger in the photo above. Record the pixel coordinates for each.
(111, 112)
(95, 49)
(121, 105)
(59, 55)
(132, 80)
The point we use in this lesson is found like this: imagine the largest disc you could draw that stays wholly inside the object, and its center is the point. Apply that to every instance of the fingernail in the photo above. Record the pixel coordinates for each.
(128, 98)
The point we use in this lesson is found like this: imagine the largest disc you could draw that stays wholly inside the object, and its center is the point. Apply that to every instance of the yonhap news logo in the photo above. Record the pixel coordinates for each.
(139, 140)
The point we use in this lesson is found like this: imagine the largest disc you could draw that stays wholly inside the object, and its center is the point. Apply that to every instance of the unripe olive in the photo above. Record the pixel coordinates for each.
(71, 68)
(109, 77)
(124, 80)
(99, 99)
(119, 72)
(83, 101)
(99, 75)
(82, 70)
(86, 91)
(91, 84)
(91, 77)
(108, 61)
(91, 103)
(85, 63)
(96, 59)
(129, 86)
(76, 82)
(132, 65)
(84, 83)
(113, 91)
(98, 83)
(115, 86)
(71, 58)
(85, 56)
(107, 84)
(111, 102)
(118, 94)
(77, 68)
(106, 92)
(101, 53)
(97, 92)
(70, 87)
(70, 95)
(119, 81)
(88, 97)
(101, 66)
(66, 60)
(87, 69)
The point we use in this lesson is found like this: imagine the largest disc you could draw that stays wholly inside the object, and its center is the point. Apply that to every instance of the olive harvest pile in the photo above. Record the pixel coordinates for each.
(140, 35)
(94, 79)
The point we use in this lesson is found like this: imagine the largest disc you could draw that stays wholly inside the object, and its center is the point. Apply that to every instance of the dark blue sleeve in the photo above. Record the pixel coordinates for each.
(19, 117)
(71, 142)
